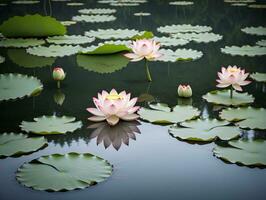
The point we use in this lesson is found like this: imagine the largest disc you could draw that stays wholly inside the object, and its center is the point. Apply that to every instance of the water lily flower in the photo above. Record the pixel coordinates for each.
(184, 91)
(58, 75)
(113, 106)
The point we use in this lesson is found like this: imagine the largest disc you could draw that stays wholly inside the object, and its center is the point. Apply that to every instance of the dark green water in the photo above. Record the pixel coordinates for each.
(156, 165)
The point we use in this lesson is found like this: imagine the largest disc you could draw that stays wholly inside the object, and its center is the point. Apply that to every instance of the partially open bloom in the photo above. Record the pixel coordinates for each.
(113, 106)
(58, 74)
(145, 48)
(233, 76)
(184, 91)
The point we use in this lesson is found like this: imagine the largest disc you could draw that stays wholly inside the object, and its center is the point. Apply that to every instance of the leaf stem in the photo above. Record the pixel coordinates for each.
(231, 92)
(147, 71)
(58, 84)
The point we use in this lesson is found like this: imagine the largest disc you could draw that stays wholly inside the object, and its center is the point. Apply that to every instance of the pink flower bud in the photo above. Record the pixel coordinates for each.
(58, 74)
(184, 91)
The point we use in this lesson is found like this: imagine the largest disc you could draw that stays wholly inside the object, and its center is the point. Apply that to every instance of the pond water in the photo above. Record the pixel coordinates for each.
(155, 165)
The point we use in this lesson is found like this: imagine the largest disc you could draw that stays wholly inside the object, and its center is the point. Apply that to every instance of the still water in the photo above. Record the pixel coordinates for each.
(155, 165)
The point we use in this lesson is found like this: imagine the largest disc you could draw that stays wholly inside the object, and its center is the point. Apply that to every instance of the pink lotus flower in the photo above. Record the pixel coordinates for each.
(145, 48)
(233, 76)
(113, 106)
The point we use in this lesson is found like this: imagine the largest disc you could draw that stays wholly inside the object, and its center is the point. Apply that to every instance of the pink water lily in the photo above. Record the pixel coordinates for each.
(145, 48)
(113, 106)
(232, 76)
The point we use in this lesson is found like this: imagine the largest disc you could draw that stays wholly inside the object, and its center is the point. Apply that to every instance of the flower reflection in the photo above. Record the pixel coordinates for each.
(115, 135)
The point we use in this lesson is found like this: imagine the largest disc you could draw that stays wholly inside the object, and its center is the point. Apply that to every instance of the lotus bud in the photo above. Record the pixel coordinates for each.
(58, 74)
(184, 91)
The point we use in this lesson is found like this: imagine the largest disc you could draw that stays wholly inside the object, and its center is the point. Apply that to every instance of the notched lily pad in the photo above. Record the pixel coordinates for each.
(183, 28)
(244, 50)
(100, 11)
(46, 125)
(169, 41)
(260, 30)
(14, 144)
(54, 50)
(94, 18)
(112, 33)
(70, 39)
(199, 37)
(20, 42)
(260, 77)
(64, 172)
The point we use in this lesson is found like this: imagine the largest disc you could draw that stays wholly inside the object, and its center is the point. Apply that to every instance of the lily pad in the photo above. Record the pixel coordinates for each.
(102, 63)
(94, 18)
(94, 11)
(176, 115)
(181, 3)
(261, 43)
(246, 117)
(54, 50)
(260, 30)
(112, 33)
(70, 39)
(105, 49)
(13, 86)
(124, 4)
(245, 152)
(14, 144)
(244, 50)
(58, 172)
(20, 42)
(23, 59)
(198, 37)
(260, 77)
(142, 14)
(258, 6)
(46, 125)
(143, 35)
(222, 97)
(25, 2)
(75, 4)
(169, 41)
(2, 59)
(68, 23)
(32, 26)
(183, 28)
(205, 130)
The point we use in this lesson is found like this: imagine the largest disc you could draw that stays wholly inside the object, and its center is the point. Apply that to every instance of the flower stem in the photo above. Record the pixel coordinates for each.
(148, 71)
(58, 84)
(231, 92)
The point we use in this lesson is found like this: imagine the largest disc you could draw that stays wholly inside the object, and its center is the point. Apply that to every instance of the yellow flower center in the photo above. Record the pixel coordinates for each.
(233, 70)
(113, 97)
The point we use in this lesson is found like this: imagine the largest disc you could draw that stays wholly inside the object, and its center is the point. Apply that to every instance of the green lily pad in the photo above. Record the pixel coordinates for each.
(2, 59)
(244, 50)
(102, 63)
(260, 30)
(161, 116)
(143, 35)
(198, 37)
(32, 26)
(46, 125)
(25, 2)
(60, 172)
(222, 97)
(205, 130)
(245, 152)
(14, 144)
(160, 106)
(23, 59)
(169, 41)
(124, 4)
(246, 117)
(93, 11)
(261, 43)
(183, 28)
(13, 86)
(105, 49)
(94, 18)
(258, 6)
(54, 50)
(112, 33)
(142, 14)
(75, 4)
(70, 39)
(20, 42)
(181, 3)
(260, 77)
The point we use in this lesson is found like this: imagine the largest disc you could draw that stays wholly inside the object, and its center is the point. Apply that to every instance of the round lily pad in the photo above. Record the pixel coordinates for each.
(70, 39)
(46, 125)
(14, 144)
(245, 152)
(169, 41)
(260, 77)
(244, 50)
(261, 43)
(20, 42)
(54, 50)
(183, 28)
(2, 59)
(112, 33)
(161, 116)
(260, 30)
(97, 11)
(63, 172)
(94, 18)
(199, 37)
(13, 86)
(205, 130)
(222, 97)
(246, 117)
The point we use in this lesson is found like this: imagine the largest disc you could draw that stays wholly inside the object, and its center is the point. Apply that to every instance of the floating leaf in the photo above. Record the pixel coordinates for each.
(143, 35)
(70, 39)
(198, 37)
(75, 4)
(246, 152)
(183, 28)
(260, 6)
(32, 26)
(45, 125)
(142, 14)
(261, 43)
(260, 77)
(181, 3)
(178, 114)
(246, 117)
(2, 59)
(222, 97)
(102, 63)
(124, 4)
(13, 86)
(68, 23)
(94, 18)
(205, 130)
(23, 59)
(160, 106)
(168, 41)
(244, 50)
(14, 144)
(20, 42)
(260, 30)
(105, 49)
(112, 34)
(25, 2)
(54, 50)
(58, 172)
(97, 11)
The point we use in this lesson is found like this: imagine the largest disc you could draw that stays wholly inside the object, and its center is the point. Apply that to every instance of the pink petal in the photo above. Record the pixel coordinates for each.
(237, 87)
(223, 85)
(130, 117)
(95, 111)
(96, 118)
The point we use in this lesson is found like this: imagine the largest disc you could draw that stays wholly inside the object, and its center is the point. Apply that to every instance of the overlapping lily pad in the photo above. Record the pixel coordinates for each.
(54, 50)
(260, 77)
(94, 18)
(244, 50)
(14, 144)
(245, 152)
(112, 33)
(205, 37)
(205, 130)
(20, 42)
(100, 11)
(2, 59)
(63, 172)
(106, 48)
(260, 30)
(70, 39)
(183, 28)
(13, 86)
(246, 117)
(46, 125)
(162, 116)
(102, 63)
(222, 97)
(169, 41)
(32, 26)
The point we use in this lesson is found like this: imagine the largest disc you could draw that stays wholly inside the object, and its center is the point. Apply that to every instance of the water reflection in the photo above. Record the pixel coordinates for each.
(115, 135)
(59, 97)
